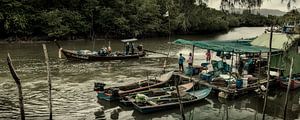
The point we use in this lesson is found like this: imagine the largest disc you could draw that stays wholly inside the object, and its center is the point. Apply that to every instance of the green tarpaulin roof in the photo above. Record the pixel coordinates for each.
(237, 46)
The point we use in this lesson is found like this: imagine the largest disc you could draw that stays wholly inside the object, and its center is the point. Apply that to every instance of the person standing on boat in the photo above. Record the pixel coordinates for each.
(109, 49)
(190, 60)
(132, 48)
(181, 60)
(208, 56)
(127, 48)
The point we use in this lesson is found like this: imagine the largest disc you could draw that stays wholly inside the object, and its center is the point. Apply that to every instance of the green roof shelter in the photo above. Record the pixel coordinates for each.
(284, 47)
(288, 44)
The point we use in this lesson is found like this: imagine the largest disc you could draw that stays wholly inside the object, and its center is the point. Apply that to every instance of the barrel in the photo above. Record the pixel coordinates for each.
(239, 83)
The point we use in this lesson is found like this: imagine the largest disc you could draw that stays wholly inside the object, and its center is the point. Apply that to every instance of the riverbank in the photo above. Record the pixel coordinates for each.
(225, 35)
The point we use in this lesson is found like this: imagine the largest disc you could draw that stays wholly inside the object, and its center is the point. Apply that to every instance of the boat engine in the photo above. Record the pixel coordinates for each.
(99, 87)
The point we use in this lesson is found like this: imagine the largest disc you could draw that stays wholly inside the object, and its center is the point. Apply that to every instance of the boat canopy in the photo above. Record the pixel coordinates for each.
(129, 40)
(236, 46)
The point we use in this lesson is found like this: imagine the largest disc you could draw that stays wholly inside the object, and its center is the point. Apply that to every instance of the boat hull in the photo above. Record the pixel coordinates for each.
(294, 84)
(163, 107)
(134, 87)
(199, 94)
(75, 56)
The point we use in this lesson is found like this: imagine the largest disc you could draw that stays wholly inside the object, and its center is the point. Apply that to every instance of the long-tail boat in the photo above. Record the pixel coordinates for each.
(156, 92)
(114, 93)
(295, 83)
(146, 103)
(104, 55)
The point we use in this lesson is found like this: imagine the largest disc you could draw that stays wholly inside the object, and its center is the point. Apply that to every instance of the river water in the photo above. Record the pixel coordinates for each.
(73, 82)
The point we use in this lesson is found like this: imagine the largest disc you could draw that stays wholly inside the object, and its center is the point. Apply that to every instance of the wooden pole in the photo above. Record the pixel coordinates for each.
(19, 86)
(232, 62)
(49, 80)
(231, 65)
(193, 55)
(268, 77)
(165, 62)
(288, 89)
(179, 97)
(147, 72)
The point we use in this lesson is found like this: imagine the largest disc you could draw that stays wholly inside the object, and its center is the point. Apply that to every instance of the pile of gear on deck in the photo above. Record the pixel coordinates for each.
(221, 74)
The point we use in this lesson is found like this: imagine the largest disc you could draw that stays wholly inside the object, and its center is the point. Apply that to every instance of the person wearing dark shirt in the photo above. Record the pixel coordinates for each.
(181, 60)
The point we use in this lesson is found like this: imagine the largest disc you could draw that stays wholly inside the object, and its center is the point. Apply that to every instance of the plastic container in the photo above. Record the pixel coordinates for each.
(239, 83)
(206, 77)
(189, 71)
(245, 82)
(196, 71)
(204, 64)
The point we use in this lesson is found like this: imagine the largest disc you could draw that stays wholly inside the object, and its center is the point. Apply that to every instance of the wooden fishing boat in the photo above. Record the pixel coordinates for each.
(88, 55)
(114, 93)
(295, 83)
(147, 104)
(156, 92)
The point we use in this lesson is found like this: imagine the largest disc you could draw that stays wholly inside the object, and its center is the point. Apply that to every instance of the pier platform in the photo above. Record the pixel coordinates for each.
(230, 92)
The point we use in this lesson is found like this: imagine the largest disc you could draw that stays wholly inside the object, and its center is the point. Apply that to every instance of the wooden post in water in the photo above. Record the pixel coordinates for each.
(169, 37)
(268, 77)
(193, 55)
(288, 89)
(231, 65)
(179, 97)
(49, 81)
(18, 82)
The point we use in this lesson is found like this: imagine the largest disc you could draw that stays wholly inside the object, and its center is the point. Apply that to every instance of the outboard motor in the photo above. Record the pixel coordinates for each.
(99, 87)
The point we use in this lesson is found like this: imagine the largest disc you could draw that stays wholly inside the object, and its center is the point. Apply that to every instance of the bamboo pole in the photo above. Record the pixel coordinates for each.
(169, 37)
(49, 81)
(288, 89)
(268, 77)
(231, 65)
(19, 86)
(259, 69)
(193, 55)
(179, 97)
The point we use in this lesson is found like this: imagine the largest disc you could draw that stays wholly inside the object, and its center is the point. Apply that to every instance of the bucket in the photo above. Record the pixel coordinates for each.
(245, 82)
(189, 71)
(239, 83)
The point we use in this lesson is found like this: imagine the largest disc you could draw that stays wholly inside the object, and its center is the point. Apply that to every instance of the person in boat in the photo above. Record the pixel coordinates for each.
(103, 51)
(127, 48)
(109, 50)
(132, 48)
(181, 59)
(190, 60)
(208, 56)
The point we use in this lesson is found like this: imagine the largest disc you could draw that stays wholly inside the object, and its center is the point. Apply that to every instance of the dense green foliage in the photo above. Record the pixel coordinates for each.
(70, 19)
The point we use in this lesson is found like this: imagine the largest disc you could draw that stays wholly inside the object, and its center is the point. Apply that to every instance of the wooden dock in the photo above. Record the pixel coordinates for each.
(229, 91)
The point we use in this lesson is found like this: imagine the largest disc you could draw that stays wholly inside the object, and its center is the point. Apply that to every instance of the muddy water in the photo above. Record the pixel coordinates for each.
(74, 98)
